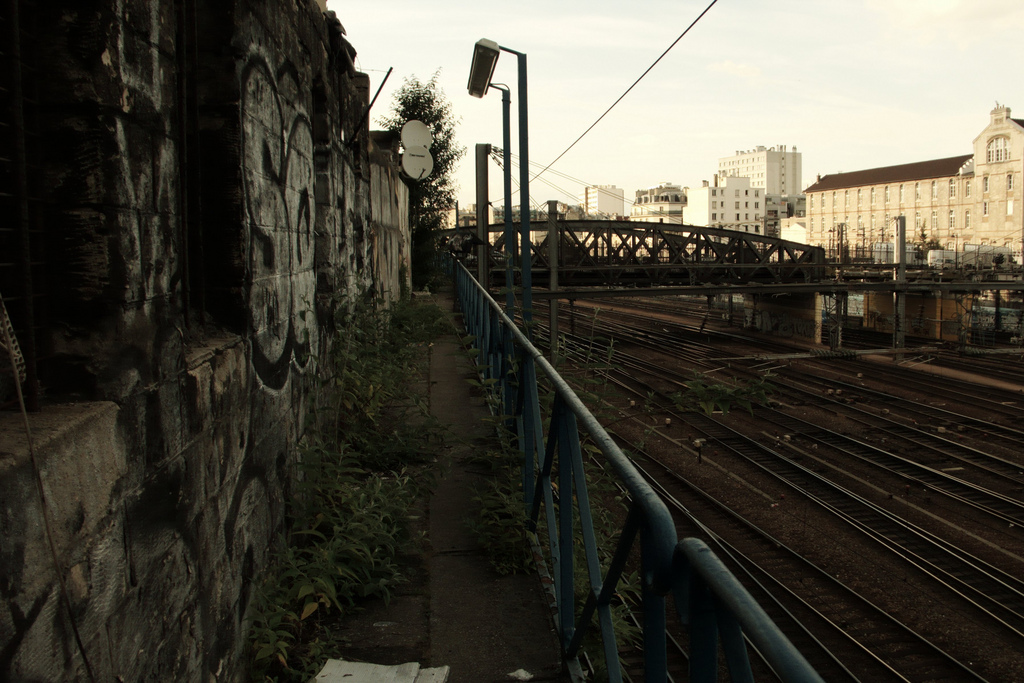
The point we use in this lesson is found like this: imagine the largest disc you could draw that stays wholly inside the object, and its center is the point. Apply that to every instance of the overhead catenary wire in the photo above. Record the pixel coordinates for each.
(623, 95)
(514, 160)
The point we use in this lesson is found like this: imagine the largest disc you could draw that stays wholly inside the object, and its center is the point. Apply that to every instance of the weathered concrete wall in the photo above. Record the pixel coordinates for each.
(929, 316)
(210, 202)
(791, 315)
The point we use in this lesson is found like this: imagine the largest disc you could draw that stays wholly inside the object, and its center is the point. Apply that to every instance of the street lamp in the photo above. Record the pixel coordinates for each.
(485, 58)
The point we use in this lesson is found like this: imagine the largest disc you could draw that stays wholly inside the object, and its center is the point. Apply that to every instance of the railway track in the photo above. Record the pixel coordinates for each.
(991, 596)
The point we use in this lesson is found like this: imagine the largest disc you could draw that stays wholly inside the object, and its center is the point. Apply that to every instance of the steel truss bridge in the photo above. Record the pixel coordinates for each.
(635, 254)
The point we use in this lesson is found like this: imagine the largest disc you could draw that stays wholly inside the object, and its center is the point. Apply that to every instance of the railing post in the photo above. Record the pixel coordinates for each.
(703, 633)
(553, 238)
(655, 643)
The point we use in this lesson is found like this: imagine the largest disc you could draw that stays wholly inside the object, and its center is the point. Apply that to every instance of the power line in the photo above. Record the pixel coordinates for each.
(514, 161)
(623, 95)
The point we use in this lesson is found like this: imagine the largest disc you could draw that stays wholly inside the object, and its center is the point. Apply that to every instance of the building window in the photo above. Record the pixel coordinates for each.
(935, 220)
(984, 184)
(746, 205)
(952, 188)
(872, 196)
(917, 192)
(846, 198)
(886, 194)
(737, 193)
(917, 220)
(984, 208)
(714, 193)
(1009, 207)
(812, 200)
(997, 150)
(812, 225)
(757, 193)
(935, 190)
(967, 219)
(737, 216)
(967, 188)
(858, 197)
(902, 195)
(737, 204)
(1009, 182)
(757, 205)
(952, 219)
(714, 216)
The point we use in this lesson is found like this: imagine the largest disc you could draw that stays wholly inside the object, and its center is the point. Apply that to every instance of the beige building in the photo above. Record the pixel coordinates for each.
(974, 198)
(776, 170)
(661, 204)
(729, 203)
(604, 201)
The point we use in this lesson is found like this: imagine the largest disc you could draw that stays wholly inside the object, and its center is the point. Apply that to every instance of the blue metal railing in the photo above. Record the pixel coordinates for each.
(708, 598)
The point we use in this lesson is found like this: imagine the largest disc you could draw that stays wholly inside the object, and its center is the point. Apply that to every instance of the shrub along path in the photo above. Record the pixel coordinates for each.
(455, 610)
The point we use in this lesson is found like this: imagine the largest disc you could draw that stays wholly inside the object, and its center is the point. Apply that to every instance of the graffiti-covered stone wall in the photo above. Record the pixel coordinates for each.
(790, 315)
(212, 195)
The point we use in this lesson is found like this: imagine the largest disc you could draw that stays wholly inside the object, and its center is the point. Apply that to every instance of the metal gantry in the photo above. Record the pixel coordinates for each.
(708, 599)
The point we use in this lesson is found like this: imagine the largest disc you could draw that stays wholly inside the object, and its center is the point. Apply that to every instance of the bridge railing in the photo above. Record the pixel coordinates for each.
(708, 599)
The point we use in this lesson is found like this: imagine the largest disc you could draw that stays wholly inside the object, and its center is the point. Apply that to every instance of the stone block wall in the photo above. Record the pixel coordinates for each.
(791, 315)
(210, 201)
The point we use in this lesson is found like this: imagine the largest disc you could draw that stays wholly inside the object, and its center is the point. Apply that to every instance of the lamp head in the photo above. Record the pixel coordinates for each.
(485, 58)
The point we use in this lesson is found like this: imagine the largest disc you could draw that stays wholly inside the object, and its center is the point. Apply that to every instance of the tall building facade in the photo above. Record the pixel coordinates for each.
(661, 204)
(730, 202)
(775, 170)
(603, 201)
(973, 198)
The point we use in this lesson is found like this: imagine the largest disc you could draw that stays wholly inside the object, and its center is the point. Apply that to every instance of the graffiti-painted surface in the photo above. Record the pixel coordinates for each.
(277, 173)
(195, 304)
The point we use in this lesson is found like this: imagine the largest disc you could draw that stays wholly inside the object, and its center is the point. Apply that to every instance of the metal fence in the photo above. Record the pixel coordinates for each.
(709, 600)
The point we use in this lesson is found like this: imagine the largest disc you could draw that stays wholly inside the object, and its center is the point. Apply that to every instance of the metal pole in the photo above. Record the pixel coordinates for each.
(900, 295)
(553, 237)
(526, 253)
(510, 235)
(483, 151)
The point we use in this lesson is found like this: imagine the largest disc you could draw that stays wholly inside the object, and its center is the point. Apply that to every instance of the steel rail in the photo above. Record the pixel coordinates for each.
(877, 643)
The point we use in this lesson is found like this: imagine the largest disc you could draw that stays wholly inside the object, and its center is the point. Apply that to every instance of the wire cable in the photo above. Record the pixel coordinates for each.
(623, 95)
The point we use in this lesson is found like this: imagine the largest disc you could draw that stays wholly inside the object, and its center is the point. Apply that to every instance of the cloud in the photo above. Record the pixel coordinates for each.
(747, 71)
(963, 23)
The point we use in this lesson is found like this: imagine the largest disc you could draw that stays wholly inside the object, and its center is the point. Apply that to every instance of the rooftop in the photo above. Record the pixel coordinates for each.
(918, 170)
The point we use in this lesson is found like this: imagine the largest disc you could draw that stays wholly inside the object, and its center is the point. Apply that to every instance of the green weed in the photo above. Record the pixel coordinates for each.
(361, 466)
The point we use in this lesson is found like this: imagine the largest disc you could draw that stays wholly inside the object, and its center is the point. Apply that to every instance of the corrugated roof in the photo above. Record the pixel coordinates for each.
(920, 170)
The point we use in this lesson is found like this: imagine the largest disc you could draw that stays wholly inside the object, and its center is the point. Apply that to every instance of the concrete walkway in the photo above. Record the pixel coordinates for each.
(482, 625)
(460, 613)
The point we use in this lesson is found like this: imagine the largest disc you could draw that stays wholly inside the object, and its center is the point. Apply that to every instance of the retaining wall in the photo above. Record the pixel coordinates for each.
(210, 200)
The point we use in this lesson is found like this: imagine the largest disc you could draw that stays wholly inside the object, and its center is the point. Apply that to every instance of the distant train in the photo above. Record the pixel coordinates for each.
(971, 256)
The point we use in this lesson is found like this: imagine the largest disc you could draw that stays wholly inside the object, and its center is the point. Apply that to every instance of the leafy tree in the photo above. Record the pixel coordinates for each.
(432, 197)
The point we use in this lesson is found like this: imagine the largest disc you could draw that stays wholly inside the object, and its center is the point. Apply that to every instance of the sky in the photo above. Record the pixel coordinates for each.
(852, 84)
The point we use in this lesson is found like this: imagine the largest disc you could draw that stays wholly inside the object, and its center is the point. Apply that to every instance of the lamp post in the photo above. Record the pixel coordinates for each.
(485, 58)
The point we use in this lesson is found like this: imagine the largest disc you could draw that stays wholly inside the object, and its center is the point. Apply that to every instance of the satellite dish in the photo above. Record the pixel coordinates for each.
(416, 134)
(417, 162)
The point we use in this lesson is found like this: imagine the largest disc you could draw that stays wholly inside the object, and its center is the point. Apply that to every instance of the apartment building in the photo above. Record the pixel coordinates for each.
(603, 201)
(972, 198)
(775, 170)
(660, 204)
(729, 202)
